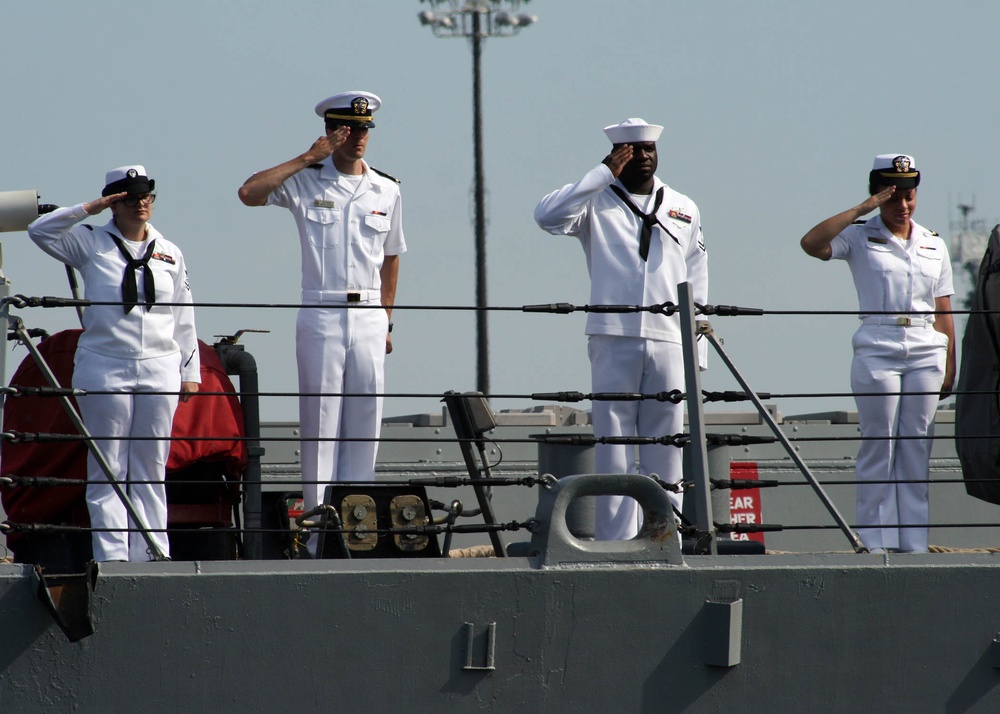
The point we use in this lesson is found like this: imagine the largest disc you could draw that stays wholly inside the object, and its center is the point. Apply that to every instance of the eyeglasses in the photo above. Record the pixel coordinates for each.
(133, 201)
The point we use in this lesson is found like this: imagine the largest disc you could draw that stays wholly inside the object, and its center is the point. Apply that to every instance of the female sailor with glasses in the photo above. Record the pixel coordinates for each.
(136, 348)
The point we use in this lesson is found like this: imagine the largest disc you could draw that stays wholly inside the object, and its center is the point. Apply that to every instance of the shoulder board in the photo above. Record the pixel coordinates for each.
(315, 166)
(384, 174)
(932, 233)
(858, 223)
(88, 226)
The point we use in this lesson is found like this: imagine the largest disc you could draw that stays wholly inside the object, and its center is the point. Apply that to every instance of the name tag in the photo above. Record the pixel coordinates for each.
(880, 241)
(320, 203)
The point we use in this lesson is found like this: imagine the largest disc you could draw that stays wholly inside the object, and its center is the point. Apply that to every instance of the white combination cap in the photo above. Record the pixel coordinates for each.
(896, 170)
(350, 108)
(633, 131)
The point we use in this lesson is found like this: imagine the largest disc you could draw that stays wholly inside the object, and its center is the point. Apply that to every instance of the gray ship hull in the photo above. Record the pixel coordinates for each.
(784, 633)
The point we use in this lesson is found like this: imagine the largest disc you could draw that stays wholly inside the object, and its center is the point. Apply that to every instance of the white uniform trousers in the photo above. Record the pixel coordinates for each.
(896, 359)
(634, 364)
(142, 462)
(339, 350)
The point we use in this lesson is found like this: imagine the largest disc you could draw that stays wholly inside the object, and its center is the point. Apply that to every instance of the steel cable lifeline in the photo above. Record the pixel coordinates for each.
(570, 396)
(21, 301)
(733, 484)
(679, 440)
(561, 308)
(436, 528)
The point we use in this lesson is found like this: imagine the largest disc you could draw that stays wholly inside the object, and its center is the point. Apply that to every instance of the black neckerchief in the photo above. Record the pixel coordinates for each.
(648, 219)
(130, 292)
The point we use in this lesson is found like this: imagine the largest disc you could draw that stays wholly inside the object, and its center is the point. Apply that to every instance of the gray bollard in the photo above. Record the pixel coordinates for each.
(569, 460)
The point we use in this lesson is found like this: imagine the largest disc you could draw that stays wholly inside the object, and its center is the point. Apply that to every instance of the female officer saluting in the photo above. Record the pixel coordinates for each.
(143, 352)
(898, 267)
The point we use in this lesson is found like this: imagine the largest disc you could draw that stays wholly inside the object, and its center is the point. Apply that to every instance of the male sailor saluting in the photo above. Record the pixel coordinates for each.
(641, 238)
(349, 219)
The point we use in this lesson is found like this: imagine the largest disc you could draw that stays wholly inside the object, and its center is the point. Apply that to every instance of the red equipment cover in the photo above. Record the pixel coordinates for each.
(218, 416)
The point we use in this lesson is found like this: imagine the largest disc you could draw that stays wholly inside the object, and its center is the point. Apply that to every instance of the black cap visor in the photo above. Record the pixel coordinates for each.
(135, 186)
(910, 179)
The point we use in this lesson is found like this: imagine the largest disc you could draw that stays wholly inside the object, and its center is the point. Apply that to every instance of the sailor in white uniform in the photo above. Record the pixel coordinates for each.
(130, 349)
(641, 238)
(350, 224)
(903, 269)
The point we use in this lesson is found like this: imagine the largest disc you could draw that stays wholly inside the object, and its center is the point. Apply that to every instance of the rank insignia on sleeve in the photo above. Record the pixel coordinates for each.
(164, 257)
(320, 203)
(679, 215)
(876, 239)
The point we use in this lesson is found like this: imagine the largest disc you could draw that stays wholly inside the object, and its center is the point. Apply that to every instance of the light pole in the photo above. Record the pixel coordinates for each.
(477, 20)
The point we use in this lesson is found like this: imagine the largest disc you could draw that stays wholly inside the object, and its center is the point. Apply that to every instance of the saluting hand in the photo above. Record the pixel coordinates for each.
(877, 200)
(94, 207)
(617, 159)
(328, 143)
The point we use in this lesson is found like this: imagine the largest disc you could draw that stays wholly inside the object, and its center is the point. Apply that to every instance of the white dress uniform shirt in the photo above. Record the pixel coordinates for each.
(347, 224)
(140, 333)
(900, 358)
(346, 228)
(891, 274)
(609, 234)
(632, 352)
(141, 357)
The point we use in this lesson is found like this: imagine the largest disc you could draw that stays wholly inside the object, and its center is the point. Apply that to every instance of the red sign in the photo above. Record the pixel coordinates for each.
(744, 503)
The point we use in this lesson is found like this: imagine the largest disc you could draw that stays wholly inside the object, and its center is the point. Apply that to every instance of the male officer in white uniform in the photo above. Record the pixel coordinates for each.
(641, 238)
(349, 217)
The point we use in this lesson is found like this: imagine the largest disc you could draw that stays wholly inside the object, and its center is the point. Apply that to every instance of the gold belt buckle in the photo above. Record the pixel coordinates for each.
(353, 297)
(904, 321)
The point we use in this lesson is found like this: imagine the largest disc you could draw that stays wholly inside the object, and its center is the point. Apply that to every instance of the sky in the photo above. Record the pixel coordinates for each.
(773, 111)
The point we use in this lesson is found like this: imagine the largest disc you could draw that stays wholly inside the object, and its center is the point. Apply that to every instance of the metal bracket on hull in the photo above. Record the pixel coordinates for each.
(67, 597)
(489, 651)
(723, 633)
